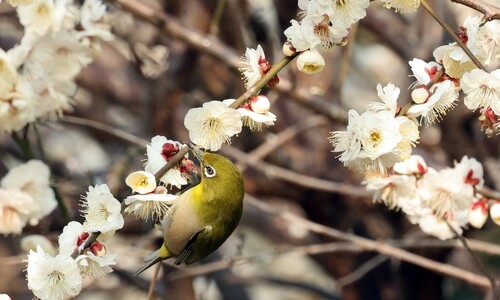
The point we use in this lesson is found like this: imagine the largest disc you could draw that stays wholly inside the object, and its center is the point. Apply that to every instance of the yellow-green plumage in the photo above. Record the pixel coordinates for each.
(204, 216)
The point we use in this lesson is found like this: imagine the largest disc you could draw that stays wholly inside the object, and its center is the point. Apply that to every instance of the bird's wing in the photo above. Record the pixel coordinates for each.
(187, 252)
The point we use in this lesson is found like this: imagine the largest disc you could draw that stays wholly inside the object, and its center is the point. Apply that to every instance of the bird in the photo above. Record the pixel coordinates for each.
(204, 216)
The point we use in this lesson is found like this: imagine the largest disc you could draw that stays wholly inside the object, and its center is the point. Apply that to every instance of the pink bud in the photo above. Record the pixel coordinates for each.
(478, 214)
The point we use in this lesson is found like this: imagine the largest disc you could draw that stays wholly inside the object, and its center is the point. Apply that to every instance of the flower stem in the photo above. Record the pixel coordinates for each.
(478, 262)
(60, 201)
(24, 144)
(172, 162)
(219, 10)
(450, 31)
(255, 89)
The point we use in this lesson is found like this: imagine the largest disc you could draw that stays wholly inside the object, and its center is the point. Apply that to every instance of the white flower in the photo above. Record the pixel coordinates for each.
(379, 134)
(17, 107)
(94, 20)
(482, 89)
(389, 95)
(155, 204)
(316, 7)
(255, 112)
(44, 15)
(440, 228)
(72, 237)
(415, 165)
(254, 65)
(315, 31)
(15, 208)
(402, 6)
(445, 192)
(392, 190)
(59, 56)
(19, 2)
(96, 262)
(471, 171)
(347, 141)
(38, 16)
(212, 125)
(455, 61)
(101, 210)
(443, 98)
(31, 242)
(478, 214)
(4, 297)
(159, 153)
(489, 40)
(141, 182)
(310, 62)
(54, 278)
(375, 141)
(33, 178)
(348, 12)
(424, 72)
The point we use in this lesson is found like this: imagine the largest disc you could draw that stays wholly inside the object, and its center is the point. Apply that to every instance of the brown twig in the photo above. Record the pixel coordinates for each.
(477, 261)
(211, 46)
(361, 271)
(151, 290)
(452, 33)
(105, 128)
(376, 246)
(296, 178)
(272, 144)
(489, 11)
(488, 193)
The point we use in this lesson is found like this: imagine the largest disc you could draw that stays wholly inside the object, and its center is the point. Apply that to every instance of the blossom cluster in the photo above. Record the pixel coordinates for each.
(59, 274)
(378, 138)
(452, 65)
(216, 122)
(37, 75)
(322, 26)
(25, 196)
(150, 199)
(440, 202)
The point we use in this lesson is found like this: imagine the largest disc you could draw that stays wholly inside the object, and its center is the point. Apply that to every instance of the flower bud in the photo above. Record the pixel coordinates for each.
(478, 214)
(495, 212)
(288, 49)
(260, 104)
(420, 95)
(415, 165)
(310, 62)
(141, 182)
(98, 249)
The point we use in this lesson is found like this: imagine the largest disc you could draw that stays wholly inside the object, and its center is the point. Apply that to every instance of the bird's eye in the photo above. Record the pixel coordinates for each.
(209, 171)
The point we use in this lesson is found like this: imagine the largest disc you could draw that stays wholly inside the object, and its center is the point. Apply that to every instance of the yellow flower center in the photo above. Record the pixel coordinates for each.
(375, 137)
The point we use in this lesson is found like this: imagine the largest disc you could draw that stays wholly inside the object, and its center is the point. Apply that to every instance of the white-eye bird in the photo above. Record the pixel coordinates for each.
(204, 216)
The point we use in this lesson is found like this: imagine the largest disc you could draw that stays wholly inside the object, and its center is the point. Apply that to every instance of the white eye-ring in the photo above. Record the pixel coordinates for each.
(209, 171)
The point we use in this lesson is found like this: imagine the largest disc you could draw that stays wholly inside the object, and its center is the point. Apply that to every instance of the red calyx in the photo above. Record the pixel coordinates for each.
(471, 180)
(82, 238)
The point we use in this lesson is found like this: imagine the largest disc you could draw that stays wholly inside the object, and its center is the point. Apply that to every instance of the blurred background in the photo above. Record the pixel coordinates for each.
(145, 80)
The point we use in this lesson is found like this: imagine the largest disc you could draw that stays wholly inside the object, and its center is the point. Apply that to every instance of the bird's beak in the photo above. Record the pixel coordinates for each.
(196, 152)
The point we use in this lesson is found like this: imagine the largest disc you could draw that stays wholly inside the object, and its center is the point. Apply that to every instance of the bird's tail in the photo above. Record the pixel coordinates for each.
(154, 257)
